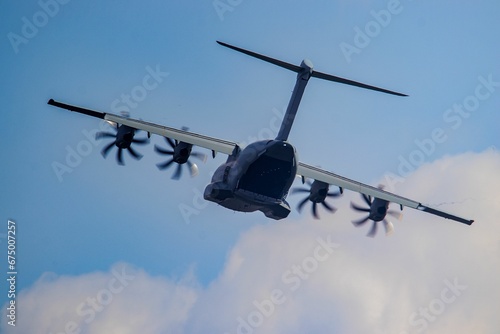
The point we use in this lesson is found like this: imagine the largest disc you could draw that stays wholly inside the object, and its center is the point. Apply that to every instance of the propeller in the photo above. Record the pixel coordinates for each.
(377, 210)
(317, 193)
(123, 139)
(180, 153)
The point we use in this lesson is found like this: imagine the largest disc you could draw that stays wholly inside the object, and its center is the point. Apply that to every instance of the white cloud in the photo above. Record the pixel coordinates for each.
(365, 285)
(123, 300)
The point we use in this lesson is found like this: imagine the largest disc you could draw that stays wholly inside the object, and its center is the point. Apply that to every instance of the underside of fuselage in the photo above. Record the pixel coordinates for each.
(258, 179)
(271, 172)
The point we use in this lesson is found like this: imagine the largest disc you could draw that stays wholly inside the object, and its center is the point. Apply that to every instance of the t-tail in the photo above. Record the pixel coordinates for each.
(304, 73)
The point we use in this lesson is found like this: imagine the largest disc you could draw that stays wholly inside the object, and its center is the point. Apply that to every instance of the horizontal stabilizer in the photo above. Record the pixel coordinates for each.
(277, 62)
(353, 83)
(315, 74)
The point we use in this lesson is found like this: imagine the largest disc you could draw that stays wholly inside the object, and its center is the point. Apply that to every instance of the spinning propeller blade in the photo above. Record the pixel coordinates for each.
(180, 153)
(125, 141)
(317, 193)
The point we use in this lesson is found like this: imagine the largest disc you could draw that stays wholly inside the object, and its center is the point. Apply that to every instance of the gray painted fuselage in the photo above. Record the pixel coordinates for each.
(260, 176)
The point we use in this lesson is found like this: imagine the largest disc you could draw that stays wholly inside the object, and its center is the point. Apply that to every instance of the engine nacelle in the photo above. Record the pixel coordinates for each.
(124, 136)
(182, 152)
(318, 191)
(378, 209)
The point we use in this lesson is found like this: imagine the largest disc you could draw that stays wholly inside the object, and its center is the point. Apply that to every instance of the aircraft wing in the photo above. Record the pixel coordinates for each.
(227, 147)
(211, 143)
(340, 181)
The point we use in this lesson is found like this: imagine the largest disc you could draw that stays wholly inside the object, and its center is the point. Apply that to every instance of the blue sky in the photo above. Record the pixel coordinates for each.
(90, 53)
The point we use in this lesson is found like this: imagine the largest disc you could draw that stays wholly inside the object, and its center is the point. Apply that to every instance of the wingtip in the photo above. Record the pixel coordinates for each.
(397, 94)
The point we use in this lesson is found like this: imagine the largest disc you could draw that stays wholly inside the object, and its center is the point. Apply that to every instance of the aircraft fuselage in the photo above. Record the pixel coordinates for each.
(256, 178)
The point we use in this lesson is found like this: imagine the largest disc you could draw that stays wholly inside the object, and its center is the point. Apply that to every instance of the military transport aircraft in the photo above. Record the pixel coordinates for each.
(259, 176)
